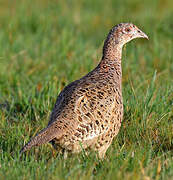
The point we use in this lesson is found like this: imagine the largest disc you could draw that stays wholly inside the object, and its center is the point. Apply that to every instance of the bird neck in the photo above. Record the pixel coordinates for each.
(111, 61)
(112, 52)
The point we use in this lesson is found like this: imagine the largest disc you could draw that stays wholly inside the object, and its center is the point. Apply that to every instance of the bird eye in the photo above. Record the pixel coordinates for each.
(127, 29)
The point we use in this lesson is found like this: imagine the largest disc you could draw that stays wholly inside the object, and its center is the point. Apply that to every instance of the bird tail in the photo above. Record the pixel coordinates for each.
(44, 136)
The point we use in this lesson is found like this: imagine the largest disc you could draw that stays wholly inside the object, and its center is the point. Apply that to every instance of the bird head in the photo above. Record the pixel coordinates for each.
(125, 32)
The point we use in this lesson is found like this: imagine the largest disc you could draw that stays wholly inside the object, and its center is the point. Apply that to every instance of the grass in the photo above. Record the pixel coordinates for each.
(47, 44)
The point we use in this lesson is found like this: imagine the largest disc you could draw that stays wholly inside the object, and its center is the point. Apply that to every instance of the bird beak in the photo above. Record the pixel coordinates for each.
(143, 35)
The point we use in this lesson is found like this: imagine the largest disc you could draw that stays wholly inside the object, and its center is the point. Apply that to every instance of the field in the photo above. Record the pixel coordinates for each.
(47, 44)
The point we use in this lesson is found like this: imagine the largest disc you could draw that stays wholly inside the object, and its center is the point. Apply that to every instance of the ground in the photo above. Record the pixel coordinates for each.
(47, 44)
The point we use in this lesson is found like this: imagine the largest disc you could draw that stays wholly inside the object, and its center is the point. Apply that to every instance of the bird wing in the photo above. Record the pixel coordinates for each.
(93, 109)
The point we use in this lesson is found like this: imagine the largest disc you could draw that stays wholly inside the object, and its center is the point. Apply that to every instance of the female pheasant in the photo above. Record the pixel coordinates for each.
(88, 112)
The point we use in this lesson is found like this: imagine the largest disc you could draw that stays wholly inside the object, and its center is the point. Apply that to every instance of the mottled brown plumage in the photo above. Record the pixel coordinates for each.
(89, 111)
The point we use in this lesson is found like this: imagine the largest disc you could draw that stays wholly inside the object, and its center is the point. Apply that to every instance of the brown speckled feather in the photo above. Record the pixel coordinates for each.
(89, 111)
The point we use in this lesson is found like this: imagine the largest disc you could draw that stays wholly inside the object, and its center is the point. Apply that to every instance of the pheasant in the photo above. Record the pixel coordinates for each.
(89, 111)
